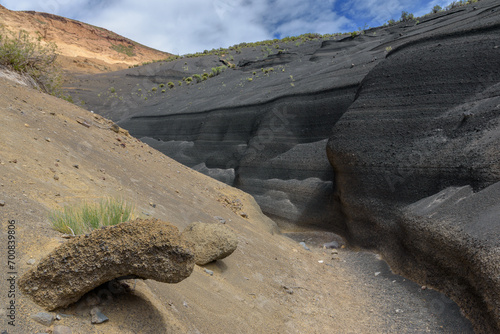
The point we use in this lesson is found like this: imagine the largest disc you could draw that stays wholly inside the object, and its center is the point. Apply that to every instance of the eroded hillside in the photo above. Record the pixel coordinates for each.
(82, 48)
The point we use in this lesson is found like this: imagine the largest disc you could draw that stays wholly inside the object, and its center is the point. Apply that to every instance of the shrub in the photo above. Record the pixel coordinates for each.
(25, 55)
(437, 9)
(405, 16)
(88, 216)
(162, 85)
(197, 77)
(170, 85)
(154, 89)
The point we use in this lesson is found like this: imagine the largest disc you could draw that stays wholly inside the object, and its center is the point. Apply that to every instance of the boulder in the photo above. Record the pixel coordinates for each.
(210, 242)
(146, 249)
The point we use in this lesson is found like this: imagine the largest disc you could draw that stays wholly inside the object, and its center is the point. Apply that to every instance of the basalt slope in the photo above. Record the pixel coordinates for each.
(409, 115)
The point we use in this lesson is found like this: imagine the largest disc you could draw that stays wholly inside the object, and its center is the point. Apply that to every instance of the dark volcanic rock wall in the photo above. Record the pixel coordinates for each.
(267, 135)
(425, 121)
(274, 150)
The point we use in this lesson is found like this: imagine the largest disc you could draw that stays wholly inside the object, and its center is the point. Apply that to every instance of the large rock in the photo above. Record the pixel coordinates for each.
(210, 241)
(147, 249)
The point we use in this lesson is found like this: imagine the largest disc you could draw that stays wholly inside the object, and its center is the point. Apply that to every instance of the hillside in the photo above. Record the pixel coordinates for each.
(388, 137)
(82, 48)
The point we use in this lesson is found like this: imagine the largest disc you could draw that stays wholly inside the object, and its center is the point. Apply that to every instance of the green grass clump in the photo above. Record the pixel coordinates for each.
(82, 219)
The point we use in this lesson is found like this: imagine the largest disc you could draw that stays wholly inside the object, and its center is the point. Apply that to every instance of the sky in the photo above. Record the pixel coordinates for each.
(188, 26)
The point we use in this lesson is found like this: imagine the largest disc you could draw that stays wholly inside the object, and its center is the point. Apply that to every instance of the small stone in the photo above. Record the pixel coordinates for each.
(303, 244)
(243, 214)
(31, 262)
(423, 287)
(61, 330)
(97, 316)
(334, 251)
(210, 272)
(399, 310)
(76, 166)
(115, 128)
(352, 65)
(152, 204)
(47, 139)
(332, 244)
(2, 203)
(56, 177)
(377, 273)
(43, 318)
(220, 219)
(58, 317)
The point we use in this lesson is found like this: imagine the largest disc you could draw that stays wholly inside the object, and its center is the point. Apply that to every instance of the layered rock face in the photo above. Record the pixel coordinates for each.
(266, 135)
(426, 124)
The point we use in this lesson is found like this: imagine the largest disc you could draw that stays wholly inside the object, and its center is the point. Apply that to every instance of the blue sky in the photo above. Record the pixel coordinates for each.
(185, 26)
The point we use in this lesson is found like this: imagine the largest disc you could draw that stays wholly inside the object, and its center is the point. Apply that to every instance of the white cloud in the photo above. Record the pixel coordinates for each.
(184, 26)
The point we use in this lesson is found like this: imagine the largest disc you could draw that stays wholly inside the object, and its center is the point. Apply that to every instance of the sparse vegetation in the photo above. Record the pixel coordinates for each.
(437, 9)
(82, 219)
(127, 50)
(197, 77)
(406, 17)
(170, 85)
(28, 56)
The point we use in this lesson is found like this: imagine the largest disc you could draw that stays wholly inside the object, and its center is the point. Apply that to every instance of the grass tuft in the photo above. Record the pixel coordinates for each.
(82, 219)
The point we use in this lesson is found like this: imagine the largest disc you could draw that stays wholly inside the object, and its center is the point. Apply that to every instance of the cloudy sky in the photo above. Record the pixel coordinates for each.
(185, 26)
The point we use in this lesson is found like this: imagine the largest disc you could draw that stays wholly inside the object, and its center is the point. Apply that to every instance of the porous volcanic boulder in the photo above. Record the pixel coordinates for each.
(147, 249)
(210, 241)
